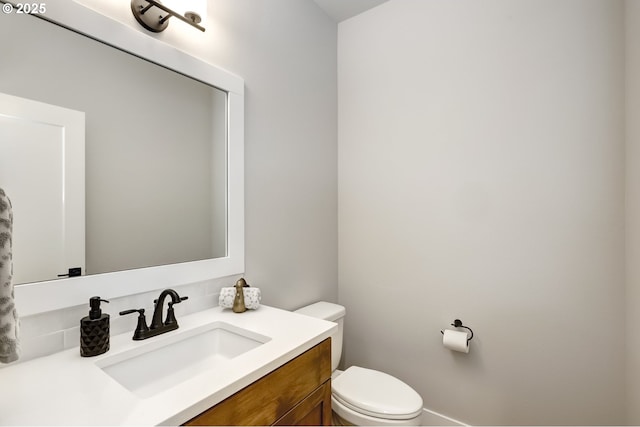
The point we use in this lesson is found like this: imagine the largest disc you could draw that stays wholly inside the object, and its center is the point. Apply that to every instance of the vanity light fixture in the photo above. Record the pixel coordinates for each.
(154, 15)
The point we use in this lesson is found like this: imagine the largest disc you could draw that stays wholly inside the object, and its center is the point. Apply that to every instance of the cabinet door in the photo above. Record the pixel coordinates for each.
(315, 410)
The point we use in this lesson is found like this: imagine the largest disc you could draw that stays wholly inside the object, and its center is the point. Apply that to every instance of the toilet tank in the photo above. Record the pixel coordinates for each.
(333, 313)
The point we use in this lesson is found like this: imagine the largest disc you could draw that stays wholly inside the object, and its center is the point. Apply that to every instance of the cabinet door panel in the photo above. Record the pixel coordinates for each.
(315, 410)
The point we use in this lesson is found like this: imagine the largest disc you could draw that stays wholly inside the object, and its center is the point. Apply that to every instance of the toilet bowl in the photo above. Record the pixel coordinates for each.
(361, 396)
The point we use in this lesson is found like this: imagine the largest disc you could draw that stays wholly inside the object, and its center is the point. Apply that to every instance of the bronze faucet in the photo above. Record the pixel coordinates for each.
(157, 327)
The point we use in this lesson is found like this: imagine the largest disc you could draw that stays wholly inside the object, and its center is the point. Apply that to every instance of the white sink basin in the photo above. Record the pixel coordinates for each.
(180, 356)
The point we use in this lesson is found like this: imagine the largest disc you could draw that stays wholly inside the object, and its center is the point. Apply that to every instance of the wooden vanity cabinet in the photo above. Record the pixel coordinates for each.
(297, 393)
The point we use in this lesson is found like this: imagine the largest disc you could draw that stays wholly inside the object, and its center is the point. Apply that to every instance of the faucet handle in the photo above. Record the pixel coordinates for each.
(141, 328)
(171, 317)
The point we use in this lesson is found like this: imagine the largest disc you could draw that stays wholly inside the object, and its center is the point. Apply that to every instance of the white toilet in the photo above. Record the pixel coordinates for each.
(360, 396)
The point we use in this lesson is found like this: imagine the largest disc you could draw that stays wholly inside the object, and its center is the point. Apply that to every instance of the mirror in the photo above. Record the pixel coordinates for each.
(155, 149)
(211, 106)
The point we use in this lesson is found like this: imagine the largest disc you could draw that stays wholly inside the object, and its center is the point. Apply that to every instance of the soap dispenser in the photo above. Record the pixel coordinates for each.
(94, 330)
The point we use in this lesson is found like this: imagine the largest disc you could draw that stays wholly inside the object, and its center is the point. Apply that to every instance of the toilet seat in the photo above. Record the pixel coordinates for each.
(346, 416)
(376, 394)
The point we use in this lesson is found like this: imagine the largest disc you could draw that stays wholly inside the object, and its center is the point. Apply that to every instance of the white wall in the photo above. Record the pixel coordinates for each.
(632, 15)
(481, 177)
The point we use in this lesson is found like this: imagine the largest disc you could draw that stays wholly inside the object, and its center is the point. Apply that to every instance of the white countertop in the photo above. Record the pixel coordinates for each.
(67, 389)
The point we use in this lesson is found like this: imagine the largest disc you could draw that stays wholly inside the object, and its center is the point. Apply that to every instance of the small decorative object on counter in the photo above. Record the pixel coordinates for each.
(252, 297)
(238, 302)
(94, 330)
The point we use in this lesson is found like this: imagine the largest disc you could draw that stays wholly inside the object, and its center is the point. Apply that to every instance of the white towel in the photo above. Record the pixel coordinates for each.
(9, 323)
(252, 297)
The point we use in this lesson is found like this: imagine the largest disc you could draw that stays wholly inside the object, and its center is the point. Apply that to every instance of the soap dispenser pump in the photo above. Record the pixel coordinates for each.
(94, 330)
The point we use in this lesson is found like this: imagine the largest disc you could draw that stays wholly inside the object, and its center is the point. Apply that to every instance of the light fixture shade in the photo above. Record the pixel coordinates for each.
(191, 9)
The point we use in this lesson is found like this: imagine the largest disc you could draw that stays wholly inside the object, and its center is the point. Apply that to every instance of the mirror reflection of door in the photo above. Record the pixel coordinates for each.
(42, 172)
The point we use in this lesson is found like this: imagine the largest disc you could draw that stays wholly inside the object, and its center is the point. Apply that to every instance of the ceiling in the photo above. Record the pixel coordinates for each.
(340, 10)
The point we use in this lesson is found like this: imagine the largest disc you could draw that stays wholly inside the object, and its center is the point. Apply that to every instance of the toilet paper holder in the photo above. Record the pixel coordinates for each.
(458, 324)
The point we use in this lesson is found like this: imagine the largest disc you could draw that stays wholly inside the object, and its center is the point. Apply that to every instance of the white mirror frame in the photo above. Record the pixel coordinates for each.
(51, 295)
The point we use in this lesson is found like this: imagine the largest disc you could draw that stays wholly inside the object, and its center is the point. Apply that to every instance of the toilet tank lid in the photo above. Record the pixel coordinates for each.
(323, 310)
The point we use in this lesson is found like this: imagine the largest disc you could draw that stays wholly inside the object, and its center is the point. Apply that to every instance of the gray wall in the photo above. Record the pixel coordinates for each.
(481, 177)
(286, 52)
(632, 90)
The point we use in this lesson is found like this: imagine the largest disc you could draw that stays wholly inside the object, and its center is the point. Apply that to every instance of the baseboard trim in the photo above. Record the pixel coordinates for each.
(432, 418)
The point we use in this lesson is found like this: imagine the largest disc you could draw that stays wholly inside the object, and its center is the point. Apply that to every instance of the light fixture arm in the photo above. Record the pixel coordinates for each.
(142, 10)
